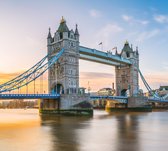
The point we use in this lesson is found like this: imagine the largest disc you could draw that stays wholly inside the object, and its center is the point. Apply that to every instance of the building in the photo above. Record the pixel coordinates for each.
(106, 91)
(127, 75)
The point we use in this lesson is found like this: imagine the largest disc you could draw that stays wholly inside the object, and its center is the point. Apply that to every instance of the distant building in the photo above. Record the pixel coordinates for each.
(101, 103)
(106, 91)
(163, 90)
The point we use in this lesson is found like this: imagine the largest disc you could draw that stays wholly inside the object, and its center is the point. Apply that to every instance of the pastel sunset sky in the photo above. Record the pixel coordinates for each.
(144, 23)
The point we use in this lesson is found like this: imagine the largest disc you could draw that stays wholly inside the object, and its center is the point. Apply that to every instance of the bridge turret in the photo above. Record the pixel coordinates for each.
(76, 33)
(127, 80)
(63, 29)
(64, 75)
(49, 41)
(127, 51)
(49, 37)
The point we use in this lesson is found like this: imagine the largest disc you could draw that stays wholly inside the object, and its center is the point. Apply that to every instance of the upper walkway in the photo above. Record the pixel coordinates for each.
(102, 57)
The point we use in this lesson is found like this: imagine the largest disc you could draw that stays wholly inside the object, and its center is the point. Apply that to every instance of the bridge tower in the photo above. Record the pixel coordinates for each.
(63, 77)
(127, 80)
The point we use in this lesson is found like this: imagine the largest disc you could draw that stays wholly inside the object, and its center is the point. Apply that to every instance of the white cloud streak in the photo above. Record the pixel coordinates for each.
(95, 13)
(147, 35)
(108, 32)
(161, 18)
(132, 20)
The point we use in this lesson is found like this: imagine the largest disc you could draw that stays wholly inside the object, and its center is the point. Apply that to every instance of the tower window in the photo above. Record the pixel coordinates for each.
(72, 36)
(61, 36)
(128, 54)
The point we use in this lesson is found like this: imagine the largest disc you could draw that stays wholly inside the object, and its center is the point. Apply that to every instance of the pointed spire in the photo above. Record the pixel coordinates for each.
(126, 42)
(127, 47)
(63, 27)
(49, 33)
(137, 50)
(62, 20)
(116, 52)
(76, 30)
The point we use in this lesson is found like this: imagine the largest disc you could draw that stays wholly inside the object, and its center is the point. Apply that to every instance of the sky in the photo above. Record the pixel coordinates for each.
(144, 23)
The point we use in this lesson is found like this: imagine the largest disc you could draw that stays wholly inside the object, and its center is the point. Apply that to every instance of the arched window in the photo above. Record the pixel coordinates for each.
(61, 35)
(128, 54)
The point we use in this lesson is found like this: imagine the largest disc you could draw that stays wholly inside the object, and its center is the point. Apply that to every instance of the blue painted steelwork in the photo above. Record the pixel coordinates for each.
(102, 57)
(26, 73)
(31, 74)
(29, 96)
(157, 100)
(120, 99)
(155, 96)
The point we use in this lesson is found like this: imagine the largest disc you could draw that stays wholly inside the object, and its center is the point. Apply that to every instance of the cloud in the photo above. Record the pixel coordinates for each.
(5, 77)
(96, 80)
(161, 18)
(147, 35)
(95, 75)
(132, 20)
(165, 66)
(95, 13)
(127, 18)
(8, 76)
(143, 22)
(107, 33)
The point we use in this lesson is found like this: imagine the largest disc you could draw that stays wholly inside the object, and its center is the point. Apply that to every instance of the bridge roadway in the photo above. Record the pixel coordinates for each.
(120, 99)
(157, 100)
(102, 57)
(29, 96)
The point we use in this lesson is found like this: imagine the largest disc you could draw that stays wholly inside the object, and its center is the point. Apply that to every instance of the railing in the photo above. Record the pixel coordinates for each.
(29, 96)
(121, 99)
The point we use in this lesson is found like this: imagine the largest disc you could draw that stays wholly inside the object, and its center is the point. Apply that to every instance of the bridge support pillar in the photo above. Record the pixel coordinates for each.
(134, 104)
(67, 105)
(63, 76)
(49, 104)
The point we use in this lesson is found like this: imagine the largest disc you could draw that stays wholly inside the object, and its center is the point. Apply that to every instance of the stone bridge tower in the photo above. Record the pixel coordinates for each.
(127, 80)
(63, 77)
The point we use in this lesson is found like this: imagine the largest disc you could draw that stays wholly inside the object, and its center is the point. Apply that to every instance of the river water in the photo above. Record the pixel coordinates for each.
(25, 130)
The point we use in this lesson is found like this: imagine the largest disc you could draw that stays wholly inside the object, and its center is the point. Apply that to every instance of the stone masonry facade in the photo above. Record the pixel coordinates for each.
(127, 80)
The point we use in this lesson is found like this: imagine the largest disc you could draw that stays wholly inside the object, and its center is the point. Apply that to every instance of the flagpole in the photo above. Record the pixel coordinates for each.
(101, 43)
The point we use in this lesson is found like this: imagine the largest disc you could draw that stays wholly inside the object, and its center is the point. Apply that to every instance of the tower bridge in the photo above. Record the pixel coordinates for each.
(62, 63)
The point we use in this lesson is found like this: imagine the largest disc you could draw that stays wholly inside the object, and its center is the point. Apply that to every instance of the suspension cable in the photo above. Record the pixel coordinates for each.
(18, 83)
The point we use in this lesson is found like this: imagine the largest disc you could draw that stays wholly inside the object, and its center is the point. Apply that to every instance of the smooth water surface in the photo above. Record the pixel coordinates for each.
(25, 130)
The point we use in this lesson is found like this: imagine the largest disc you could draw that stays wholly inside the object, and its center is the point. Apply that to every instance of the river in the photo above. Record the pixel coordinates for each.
(25, 130)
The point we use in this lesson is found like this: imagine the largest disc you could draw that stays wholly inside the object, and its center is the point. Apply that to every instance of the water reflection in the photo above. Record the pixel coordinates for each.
(115, 132)
(127, 132)
(25, 130)
(63, 131)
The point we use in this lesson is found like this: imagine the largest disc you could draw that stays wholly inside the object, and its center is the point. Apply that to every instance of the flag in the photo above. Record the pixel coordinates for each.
(114, 48)
(100, 43)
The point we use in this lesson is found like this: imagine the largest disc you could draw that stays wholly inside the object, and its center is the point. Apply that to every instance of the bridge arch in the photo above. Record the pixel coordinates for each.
(57, 88)
(124, 92)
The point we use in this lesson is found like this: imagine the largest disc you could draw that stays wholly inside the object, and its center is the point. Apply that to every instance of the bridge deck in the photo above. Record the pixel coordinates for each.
(157, 100)
(101, 57)
(29, 96)
(121, 99)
